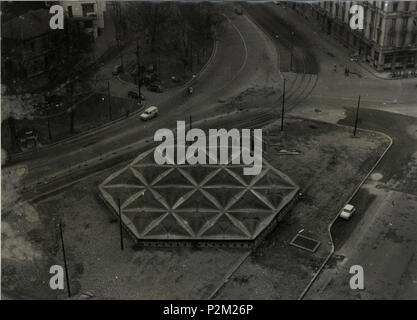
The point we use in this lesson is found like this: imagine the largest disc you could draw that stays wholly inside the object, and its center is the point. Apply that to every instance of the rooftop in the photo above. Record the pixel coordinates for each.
(196, 202)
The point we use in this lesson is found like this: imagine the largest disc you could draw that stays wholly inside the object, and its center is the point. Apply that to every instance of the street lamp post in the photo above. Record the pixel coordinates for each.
(109, 97)
(138, 71)
(65, 260)
(120, 224)
(121, 55)
(283, 106)
(357, 117)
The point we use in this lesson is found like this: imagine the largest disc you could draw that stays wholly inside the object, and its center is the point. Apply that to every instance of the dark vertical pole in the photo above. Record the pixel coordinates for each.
(65, 260)
(138, 71)
(357, 117)
(283, 106)
(267, 141)
(190, 125)
(49, 130)
(121, 226)
(109, 97)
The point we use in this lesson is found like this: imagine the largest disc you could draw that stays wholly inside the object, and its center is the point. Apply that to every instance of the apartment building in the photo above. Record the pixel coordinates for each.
(88, 14)
(388, 41)
(30, 48)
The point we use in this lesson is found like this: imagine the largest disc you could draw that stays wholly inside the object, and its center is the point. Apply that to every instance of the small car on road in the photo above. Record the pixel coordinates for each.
(149, 113)
(347, 212)
(28, 138)
(135, 95)
(155, 88)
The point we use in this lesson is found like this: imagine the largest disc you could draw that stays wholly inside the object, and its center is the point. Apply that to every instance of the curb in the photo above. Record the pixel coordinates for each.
(273, 42)
(17, 156)
(205, 67)
(307, 288)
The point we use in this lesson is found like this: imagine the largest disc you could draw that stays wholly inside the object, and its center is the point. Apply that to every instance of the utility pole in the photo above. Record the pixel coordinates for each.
(109, 97)
(138, 71)
(191, 126)
(283, 106)
(65, 260)
(121, 55)
(120, 225)
(119, 31)
(357, 117)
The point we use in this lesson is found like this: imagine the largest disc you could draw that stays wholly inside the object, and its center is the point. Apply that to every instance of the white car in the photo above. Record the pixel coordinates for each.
(149, 113)
(347, 212)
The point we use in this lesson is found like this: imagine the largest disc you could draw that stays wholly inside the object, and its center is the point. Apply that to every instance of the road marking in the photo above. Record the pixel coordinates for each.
(244, 45)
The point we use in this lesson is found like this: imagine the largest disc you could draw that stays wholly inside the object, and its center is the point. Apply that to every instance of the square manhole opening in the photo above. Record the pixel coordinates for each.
(305, 243)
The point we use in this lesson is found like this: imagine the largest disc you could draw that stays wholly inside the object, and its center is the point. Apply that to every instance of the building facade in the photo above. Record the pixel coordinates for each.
(388, 41)
(30, 49)
(89, 14)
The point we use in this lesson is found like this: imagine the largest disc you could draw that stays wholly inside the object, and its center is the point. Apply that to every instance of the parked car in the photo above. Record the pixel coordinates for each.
(155, 88)
(175, 79)
(149, 113)
(54, 100)
(28, 138)
(135, 95)
(347, 212)
(116, 70)
(354, 58)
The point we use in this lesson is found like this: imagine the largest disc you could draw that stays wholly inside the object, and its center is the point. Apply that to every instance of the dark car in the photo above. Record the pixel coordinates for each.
(54, 100)
(135, 95)
(28, 138)
(155, 88)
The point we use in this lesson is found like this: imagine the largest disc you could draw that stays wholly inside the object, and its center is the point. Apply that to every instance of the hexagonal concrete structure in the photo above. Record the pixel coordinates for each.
(196, 202)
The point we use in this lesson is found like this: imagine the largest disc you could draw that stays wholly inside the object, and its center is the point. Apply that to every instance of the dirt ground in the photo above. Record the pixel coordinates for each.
(329, 167)
(331, 163)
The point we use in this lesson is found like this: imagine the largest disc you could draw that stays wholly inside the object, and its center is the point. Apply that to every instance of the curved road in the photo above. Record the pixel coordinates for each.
(245, 60)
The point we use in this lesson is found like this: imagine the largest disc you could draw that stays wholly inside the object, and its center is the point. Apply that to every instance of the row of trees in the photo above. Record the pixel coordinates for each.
(177, 29)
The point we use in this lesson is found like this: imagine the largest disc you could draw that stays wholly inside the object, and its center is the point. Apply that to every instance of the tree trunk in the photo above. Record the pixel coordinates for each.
(13, 140)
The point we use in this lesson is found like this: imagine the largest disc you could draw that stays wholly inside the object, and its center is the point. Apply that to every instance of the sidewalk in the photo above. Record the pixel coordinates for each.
(332, 45)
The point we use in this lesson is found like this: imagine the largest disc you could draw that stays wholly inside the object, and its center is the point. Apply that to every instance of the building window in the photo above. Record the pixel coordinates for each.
(87, 8)
(395, 6)
(406, 5)
(388, 58)
(402, 39)
(70, 11)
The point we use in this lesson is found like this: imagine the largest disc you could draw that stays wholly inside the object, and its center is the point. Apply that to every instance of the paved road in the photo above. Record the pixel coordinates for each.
(382, 237)
(245, 59)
